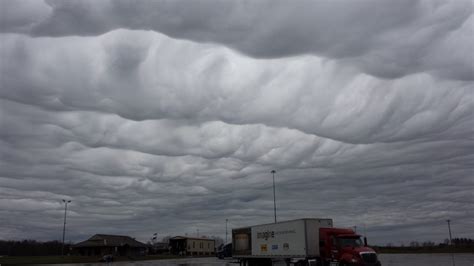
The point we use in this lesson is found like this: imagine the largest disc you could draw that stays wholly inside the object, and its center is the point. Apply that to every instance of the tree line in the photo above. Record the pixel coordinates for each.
(463, 242)
(457, 242)
(460, 245)
(31, 248)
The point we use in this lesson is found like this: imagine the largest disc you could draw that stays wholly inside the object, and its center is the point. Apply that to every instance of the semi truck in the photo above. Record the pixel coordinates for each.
(308, 241)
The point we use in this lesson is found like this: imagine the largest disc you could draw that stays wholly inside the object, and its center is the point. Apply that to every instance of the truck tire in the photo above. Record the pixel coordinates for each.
(322, 263)
(259, 262)
(310, 263)
(301, 263)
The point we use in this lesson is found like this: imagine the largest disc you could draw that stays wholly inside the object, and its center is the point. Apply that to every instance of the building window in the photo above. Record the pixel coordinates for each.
(208, 245)
(193, 244)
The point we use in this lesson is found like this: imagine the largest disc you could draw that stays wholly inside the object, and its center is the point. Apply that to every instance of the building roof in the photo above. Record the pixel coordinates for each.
(100, 240)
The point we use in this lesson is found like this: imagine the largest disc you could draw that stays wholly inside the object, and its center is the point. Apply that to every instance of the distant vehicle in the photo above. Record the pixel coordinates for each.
(225, 251)
(301, 242)
(107, 258)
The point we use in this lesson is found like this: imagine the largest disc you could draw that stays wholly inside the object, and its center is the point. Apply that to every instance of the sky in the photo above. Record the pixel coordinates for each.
(168, 116)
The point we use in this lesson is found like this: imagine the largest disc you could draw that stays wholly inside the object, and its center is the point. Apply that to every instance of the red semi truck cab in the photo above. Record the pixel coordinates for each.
(345, 247)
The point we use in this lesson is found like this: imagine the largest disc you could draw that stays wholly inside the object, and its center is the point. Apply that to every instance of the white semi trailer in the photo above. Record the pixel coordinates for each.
(301, 242)
(287, 241)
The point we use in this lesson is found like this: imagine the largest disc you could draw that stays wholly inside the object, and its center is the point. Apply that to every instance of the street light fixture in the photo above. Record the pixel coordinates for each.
(274, 199)
(64, 227)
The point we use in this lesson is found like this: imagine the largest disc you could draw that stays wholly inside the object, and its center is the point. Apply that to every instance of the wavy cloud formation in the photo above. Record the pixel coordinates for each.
(142, 75)
(166, 115)
(383, 38)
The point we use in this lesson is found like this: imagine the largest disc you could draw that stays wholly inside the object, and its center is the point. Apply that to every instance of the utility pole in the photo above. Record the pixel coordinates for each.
(64, 226)
(449, 228)
(226, 220)
(274, 199)
(451, 241)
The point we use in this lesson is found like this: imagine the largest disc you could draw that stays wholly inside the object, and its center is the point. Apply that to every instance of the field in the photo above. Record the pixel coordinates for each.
(423, 250)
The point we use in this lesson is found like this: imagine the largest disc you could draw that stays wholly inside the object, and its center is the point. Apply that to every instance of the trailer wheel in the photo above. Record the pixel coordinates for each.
(302, 263)
(258, 262)
(322, 263)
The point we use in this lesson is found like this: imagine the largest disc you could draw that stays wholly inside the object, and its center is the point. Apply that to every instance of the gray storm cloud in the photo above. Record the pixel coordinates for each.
(388, 39)
(166, 114)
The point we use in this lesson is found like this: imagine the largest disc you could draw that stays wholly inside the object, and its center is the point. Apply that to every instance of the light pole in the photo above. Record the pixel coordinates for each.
(226, 220)
(449, 228)
(64, 226)
(450, 240)
(274, 199)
